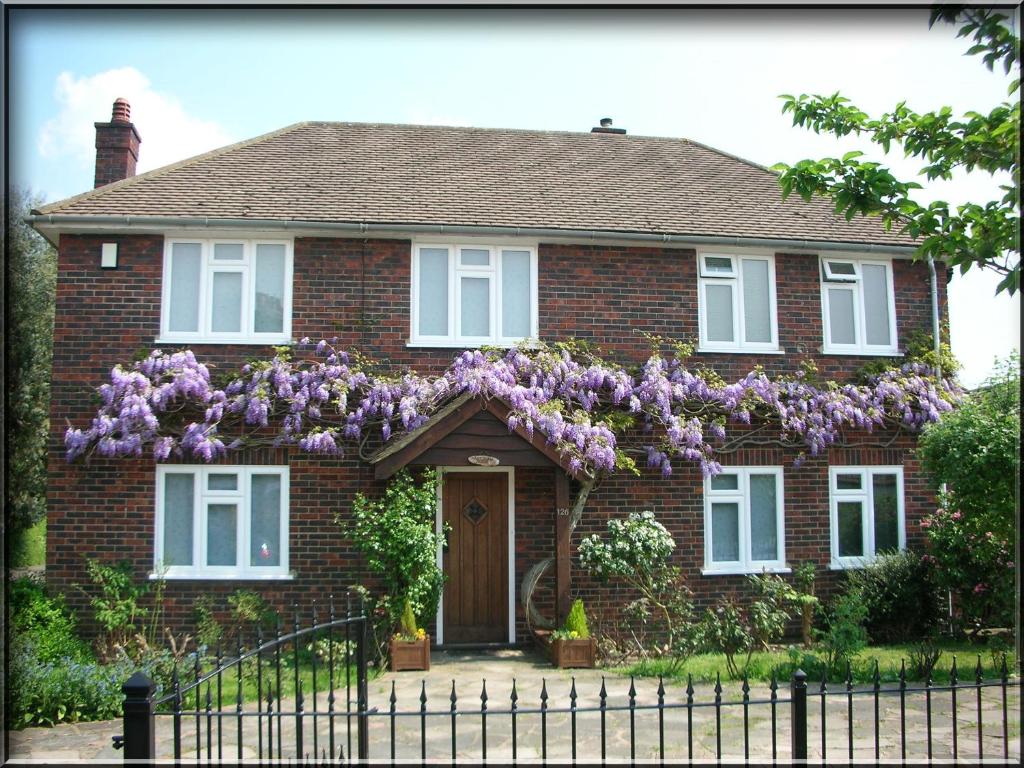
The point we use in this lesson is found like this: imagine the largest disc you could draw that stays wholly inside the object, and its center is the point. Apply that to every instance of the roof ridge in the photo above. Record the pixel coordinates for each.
(156, 172)
(491, 129)
(730, 155)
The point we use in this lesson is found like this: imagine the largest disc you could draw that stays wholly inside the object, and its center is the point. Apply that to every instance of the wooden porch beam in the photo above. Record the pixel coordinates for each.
(563, 556)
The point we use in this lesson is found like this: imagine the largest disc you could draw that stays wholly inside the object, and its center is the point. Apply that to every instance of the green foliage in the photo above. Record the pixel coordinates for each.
(248, 608)
(971, 235)
(28, 545)
(844, 635)
(733, 631)
(803, 581)
(975, 452)
(899, 594)
(45, 622)
(115, 599)
(637, 554)
(47, 693)
(724, 630)
(31, 284)
(974, 449)
(576, 621)
(209, 632)
(396, 535)
(924, 655)
(919, 349)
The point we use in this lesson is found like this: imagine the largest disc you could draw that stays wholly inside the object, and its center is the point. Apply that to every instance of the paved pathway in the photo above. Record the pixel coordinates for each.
(68, 743)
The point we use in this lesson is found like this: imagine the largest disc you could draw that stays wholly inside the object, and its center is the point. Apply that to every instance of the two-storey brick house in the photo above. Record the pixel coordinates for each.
(411, 243)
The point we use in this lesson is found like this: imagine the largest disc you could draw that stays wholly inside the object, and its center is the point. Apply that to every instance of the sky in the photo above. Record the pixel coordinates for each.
(199, 79)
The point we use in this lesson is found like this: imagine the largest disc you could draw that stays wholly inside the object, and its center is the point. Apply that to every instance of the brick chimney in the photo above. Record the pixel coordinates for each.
(117, 146)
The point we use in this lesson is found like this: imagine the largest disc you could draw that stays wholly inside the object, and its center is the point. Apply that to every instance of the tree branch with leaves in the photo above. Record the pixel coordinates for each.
(975, 234)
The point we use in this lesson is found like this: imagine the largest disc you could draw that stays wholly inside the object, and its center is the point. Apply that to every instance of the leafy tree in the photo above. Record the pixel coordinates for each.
(31, 280)
(971, 235)
(974, 451)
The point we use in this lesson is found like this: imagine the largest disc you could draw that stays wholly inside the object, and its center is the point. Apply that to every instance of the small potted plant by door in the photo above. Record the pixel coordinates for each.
(410, 646)
(572, 646)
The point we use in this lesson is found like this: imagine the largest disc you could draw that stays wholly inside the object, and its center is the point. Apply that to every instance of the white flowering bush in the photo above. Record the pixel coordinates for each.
(636, 553)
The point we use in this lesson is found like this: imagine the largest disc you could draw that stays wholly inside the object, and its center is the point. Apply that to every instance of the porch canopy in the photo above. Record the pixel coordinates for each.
(472, 430)
(470, 426)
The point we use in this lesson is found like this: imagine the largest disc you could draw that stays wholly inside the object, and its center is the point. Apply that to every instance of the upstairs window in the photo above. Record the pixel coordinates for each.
(858, 306)
(470, 295)
(232, 291)
(222, 521)
(737, 302)
(866, 513)
(743, 528)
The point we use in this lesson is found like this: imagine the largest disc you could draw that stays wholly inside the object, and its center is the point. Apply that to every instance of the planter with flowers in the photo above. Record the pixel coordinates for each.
(410, 647)
(572, 646)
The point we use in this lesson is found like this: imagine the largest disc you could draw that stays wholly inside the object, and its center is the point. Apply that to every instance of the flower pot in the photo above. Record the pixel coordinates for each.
(574, 653)
(410, 654)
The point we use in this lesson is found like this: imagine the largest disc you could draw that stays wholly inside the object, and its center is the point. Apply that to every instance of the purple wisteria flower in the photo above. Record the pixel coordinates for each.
(663, 411)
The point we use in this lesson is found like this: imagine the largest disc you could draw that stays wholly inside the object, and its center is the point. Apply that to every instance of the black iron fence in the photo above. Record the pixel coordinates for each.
(304, 696)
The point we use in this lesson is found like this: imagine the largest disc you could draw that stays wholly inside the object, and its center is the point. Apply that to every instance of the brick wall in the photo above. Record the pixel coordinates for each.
(359, 290)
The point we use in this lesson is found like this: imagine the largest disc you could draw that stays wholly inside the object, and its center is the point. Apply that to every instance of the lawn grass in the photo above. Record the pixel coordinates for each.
(28, 546)
(706, 667)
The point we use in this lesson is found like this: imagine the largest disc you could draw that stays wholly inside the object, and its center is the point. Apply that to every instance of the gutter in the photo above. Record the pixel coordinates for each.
(364, 228)
(935, 318)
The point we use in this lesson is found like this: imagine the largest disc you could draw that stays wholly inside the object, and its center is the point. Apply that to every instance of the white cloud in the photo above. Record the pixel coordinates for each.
(168, 132)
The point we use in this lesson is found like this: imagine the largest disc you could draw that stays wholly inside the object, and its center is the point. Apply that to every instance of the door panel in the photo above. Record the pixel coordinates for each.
(475, 506)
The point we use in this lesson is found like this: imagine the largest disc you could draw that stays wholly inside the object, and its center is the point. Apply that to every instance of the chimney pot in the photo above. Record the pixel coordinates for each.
(122, 111)
(117, 146)
(606, 122)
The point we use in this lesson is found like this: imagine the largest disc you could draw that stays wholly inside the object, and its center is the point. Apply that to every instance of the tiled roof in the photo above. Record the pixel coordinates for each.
(415, 174)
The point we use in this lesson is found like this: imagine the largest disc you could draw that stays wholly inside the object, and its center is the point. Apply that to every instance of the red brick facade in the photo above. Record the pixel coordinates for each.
(359, 290)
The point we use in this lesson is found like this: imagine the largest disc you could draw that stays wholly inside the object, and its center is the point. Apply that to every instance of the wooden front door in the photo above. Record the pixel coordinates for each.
(475, 506)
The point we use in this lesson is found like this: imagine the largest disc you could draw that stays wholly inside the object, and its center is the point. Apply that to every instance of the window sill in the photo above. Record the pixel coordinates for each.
(743, 571)
(235, 576)
(273, 341)
(740, 351)
(862, 352)
(464, 345)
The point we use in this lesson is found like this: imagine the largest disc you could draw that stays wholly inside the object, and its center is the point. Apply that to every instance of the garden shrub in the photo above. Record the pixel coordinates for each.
(900, 596)
(396, 535)
(844, 634)
(209, 632)
(250, 610)
(803, 580)
(734, 631)
(407, 624)
(576, 621)
(45, 622)
(923, 656)
(637, 553)
(975, 451)
(116, 602)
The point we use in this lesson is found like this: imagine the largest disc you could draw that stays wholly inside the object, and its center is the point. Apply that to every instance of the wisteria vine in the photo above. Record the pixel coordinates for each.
(597, 415)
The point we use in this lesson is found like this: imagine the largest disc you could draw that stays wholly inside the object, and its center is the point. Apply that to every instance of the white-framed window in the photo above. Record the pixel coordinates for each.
(858, 305)
(235, 291)
(222, 522)
(469, 295)
(866, 513)
(743, 523)
(736, 302)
